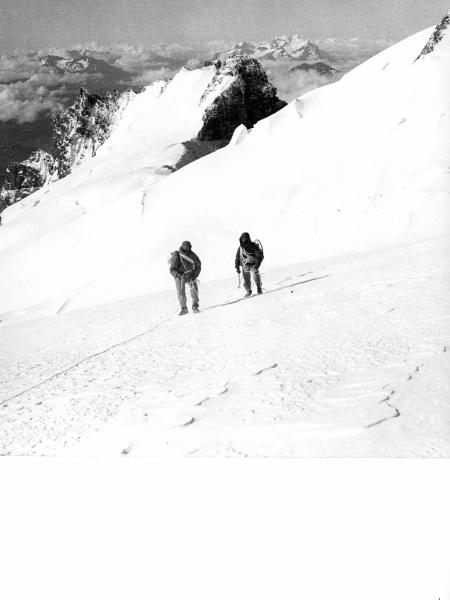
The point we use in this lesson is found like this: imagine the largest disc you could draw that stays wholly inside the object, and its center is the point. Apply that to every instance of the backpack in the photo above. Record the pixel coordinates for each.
(170, 257)
(260, 246)
(248, 258)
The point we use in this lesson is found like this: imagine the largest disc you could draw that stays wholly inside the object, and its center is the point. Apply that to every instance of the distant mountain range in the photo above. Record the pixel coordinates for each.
(282, 47)
(83, 64)
(320, 68)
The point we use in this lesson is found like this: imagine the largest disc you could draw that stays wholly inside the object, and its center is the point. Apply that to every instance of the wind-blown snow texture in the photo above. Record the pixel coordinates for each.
(347, 357)
(354, 363)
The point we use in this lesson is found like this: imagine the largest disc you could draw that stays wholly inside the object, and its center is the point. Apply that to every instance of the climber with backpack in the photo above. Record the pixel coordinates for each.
(249, 255)
(185, 267)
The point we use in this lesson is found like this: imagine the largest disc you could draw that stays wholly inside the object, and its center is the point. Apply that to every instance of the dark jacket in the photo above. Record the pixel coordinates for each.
(179, 265)
(251, 254)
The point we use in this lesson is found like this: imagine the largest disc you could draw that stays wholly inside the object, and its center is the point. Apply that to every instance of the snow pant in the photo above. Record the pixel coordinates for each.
(247, 270)
(181, 291)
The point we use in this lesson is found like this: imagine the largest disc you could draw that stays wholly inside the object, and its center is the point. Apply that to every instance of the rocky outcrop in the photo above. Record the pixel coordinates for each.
(248, 98)
(80, 130)
(22, 179)
(320, 68)
(436, 36)
(195, 149)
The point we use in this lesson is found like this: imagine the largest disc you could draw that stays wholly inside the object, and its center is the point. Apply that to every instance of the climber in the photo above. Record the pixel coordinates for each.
(185, 267)
(249, 255)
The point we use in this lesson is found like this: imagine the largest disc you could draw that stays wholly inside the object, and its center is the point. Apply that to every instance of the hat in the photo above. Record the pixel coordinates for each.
(186, 245)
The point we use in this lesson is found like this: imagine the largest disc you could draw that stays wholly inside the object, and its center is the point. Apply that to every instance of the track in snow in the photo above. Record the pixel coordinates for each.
(313, 379)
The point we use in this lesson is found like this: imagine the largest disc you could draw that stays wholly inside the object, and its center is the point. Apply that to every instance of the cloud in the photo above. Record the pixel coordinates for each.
(27, 88)
(151, 75)
(138, 60)
(194, 63)
(14, 68)
(21, 68)
(23, 101)
(292, 84)
(348, 53)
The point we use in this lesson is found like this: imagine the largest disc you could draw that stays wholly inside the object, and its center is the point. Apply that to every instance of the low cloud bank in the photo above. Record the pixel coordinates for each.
(23, 101)
(27, 88)
(292, 84)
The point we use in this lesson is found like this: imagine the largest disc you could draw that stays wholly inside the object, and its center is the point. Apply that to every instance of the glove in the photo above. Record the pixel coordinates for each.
(238, 270)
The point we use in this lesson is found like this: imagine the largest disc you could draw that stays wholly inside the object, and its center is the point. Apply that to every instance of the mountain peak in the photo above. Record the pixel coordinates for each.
(248, 98)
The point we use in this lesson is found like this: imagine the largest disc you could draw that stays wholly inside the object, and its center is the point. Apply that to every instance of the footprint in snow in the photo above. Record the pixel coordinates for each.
(127, 450)
(266, 369)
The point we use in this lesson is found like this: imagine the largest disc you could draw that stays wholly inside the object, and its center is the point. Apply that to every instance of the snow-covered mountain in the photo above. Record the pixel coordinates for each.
(85, 63)
(356, 165)
(239, 93)
(284, 46)
(344, 354)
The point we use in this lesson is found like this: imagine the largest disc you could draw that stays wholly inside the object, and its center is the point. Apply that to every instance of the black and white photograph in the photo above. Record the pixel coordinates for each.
(225, 235)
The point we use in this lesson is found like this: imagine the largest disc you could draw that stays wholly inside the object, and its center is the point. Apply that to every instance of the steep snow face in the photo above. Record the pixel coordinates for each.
(90, 216)
(356, 165)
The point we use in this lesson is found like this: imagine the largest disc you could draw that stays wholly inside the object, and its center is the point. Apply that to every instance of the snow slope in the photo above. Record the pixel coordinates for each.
(343, 357)
(353, 166)
(93, 216)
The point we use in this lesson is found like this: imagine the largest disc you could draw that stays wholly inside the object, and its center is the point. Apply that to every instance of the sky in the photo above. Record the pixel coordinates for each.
(34, 24)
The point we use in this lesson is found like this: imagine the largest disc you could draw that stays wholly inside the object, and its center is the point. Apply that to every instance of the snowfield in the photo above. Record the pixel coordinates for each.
(345, 357)
(347, 352)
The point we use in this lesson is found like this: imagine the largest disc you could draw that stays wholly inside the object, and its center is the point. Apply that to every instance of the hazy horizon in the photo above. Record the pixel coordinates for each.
(62, 23)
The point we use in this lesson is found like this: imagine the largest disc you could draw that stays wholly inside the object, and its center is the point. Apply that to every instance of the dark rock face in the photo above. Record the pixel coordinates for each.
(195, 149)
(436, 36)
(24, 178)
(81, 129)
(248, 99)
(319, 67)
